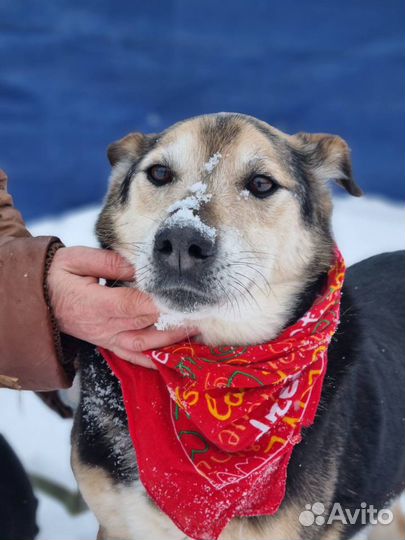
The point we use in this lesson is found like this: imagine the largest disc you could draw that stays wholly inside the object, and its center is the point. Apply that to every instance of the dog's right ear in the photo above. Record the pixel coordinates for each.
(129, 147)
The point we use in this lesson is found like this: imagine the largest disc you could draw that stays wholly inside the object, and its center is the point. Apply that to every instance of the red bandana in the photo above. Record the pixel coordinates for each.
(214, 428)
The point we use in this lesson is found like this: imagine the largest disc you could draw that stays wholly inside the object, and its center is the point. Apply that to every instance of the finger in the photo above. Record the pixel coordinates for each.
(138, 359)
(142, 322)
(100, 263)
(150, 338)
(117, 325)
(109, 328)
(126, 302)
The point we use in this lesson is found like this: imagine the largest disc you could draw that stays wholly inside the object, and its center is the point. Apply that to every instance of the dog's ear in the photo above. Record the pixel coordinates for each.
(328, 157)
(129, 147)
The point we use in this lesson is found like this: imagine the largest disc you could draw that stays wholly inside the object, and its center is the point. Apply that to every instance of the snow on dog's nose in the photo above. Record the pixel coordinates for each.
(185, 244)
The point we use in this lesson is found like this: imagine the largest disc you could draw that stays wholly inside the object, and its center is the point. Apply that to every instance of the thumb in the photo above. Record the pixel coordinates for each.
(94, 262)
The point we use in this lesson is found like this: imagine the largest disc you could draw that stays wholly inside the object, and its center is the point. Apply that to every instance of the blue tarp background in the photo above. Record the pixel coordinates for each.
(75, 75)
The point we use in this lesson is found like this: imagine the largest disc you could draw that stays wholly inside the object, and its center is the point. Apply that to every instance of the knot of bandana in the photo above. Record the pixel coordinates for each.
(214, 428)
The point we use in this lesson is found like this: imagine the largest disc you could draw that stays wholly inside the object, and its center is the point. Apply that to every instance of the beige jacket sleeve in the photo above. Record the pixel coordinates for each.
(30, 348)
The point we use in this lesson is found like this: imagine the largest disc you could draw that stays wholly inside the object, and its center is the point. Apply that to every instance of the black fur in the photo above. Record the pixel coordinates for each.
(350, 454)
(359, 429)
(297, 164)
(306, 198)
(118, 195)
(124, 187)
(102, 412)
(145, 146)
(353, 453)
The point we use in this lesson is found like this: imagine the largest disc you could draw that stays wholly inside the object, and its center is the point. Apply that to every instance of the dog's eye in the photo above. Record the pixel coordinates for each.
(261, 186)
(159, 175)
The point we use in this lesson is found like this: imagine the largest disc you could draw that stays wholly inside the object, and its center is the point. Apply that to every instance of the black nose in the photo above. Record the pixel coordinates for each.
(183, 249)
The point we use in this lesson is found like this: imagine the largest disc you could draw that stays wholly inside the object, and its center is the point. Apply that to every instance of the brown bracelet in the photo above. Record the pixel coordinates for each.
(64, 348)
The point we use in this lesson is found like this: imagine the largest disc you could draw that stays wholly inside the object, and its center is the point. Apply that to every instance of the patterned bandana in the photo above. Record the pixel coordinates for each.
(214, 428)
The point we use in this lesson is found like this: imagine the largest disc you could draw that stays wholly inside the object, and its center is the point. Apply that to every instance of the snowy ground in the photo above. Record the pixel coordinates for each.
(363, 227)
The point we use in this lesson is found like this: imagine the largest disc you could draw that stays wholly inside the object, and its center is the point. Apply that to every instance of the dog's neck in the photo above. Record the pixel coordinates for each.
(261, 320)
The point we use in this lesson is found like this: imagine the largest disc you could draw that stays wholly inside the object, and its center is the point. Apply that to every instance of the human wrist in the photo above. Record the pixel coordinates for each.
(65, 348)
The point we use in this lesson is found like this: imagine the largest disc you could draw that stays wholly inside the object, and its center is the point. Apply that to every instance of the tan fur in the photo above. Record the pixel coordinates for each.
(279, 250)
(283, 525)
(280, 253)
(123, 512)
(334, 532)
(393, 531)
(128, 146)
(329, 152)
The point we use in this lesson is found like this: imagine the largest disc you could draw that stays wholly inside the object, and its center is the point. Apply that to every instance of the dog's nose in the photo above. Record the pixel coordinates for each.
(183, 248)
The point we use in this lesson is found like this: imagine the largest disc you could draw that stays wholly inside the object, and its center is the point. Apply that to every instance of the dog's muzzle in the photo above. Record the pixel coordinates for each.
(183, 256)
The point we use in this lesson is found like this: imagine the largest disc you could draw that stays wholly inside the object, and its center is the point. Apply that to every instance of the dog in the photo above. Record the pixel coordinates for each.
(227, 221)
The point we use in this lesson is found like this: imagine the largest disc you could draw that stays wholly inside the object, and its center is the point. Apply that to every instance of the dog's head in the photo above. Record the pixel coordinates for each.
(223, 216)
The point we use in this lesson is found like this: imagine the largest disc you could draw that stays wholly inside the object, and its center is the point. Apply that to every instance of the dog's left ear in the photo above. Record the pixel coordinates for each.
(129, 147)
(328, 157)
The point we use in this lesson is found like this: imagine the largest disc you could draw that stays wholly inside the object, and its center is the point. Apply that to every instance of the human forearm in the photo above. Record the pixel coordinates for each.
(30, 353)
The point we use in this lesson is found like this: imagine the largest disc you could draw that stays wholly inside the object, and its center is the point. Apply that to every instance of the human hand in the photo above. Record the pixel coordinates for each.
(119, 319)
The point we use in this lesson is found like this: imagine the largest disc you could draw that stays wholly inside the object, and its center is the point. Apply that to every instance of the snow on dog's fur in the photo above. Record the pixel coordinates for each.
(255, 207)
(262, 246)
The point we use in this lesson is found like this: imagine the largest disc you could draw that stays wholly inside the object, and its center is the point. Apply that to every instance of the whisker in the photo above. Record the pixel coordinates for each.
(254, 251)
(253, 267)
(227, 294)
(240, 293)
(246, 289)
(251, 281)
